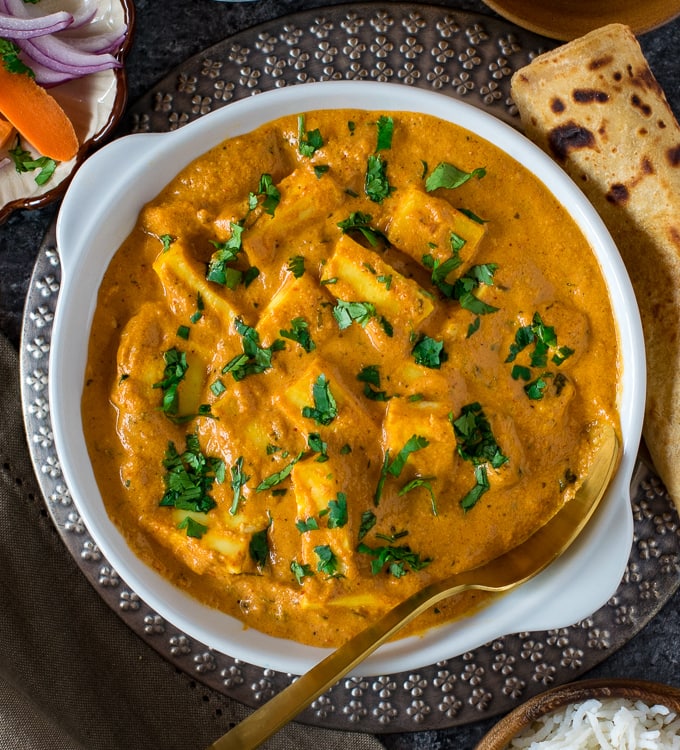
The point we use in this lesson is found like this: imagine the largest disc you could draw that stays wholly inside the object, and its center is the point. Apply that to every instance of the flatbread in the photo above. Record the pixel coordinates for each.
(596, 108)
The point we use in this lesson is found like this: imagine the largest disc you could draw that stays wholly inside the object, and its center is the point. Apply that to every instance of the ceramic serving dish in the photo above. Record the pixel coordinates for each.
(518, 721)
(101, 207)
(94, 104)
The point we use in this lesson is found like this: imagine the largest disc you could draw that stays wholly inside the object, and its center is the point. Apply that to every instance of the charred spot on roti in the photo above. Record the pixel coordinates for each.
(618, 75)
(600, 62)
(673, 156)
(568, 137)
(588, 96)
(646, 166)
(642, 106)
(618, 194)
(557, 105)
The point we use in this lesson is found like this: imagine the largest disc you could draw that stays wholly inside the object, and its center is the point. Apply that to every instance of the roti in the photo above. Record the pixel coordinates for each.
(594, 105)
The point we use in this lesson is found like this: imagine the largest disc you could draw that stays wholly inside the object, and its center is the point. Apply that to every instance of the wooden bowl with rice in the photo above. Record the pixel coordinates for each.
(627, 714)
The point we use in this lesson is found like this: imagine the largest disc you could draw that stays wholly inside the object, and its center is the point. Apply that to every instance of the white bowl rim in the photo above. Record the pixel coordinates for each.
(84, 260)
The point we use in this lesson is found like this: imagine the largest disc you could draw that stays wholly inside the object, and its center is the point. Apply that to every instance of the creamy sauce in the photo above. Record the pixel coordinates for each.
(340, 430)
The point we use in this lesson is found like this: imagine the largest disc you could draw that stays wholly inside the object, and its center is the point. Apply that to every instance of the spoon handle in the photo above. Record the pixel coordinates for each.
(284, 707)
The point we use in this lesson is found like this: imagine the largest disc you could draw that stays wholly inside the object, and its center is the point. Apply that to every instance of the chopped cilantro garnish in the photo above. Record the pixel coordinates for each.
(361, 222)
(296, 265)
(9, 54)
(308, 141)
(429, 352)
(255, 359)
(328, 562)
(325, 408)
(376, 184)
(473, 327)
(446, 175)
(183, 332)
(413, 444)
(481, 486)
(273, 479)
(300, 571)
(173, 374)
(219, 268)
(425, 482)
(476, 442)
(259, 546)
(347, 313)
(370, 377)
(397, 559)
(309, 524)
(299, 333)
(270, 192)
(385, 126)
(320, 170)
(238, 481)
(337, 512)
(318, 445)
(167, 240)
(24, 162)
(190, 476)
(193, 527)
(368, 521)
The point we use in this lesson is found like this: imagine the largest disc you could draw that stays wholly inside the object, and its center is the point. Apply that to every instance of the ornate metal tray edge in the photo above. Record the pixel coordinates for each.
(417, 45)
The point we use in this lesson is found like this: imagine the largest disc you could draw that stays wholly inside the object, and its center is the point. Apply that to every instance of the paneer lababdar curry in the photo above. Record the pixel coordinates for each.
(339, 357)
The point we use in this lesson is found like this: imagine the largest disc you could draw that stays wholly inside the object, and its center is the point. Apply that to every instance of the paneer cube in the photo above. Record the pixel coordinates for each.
(424, 225)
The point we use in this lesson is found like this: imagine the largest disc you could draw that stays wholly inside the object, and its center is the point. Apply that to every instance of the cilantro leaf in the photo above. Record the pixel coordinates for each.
(190, 476)
(277, 477)
(337, 511)
(413, 444)
(296, 265)
(259, 546)
(193, 527)
(376, 183)
(328, 562)
(429, 352)
(300, 571)
(173, 374)
(255, 358)
(361, 222)
(368, 521)
(325, 408)
(308, 141)
(347, 313)
(238, 481)
(219, 269)
(475, 440)
(481, 486)
(425, 482)
(385, 126)
(24, 162)
(397, 559)
(299, 333)
(446, 175)
(9, 55)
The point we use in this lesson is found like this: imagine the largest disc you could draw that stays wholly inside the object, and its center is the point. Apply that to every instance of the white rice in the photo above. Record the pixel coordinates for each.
(610, 724)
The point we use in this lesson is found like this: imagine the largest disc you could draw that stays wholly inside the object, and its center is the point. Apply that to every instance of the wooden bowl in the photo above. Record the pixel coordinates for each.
(568, 19)
(651, 693)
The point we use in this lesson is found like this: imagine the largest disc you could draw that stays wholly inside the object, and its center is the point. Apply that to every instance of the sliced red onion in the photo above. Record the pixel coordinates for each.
(46, 77)
(59, 56)
(97, 43)
(26, 28)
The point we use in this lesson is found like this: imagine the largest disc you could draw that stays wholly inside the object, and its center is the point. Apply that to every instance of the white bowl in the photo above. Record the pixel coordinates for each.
(99, 210)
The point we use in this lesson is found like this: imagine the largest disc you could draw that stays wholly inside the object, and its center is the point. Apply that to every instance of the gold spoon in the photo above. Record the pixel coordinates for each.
(502, 574)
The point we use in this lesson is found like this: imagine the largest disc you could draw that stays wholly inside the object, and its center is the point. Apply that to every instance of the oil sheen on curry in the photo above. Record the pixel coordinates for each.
(339, 357)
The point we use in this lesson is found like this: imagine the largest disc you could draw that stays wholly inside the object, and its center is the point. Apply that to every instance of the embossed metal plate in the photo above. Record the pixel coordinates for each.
(464, 55)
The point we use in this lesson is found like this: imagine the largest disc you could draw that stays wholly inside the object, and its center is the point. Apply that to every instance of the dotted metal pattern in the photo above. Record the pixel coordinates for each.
(463, 55)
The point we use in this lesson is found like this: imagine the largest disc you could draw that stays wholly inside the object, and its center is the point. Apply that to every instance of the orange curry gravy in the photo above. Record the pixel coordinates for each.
(303, 402)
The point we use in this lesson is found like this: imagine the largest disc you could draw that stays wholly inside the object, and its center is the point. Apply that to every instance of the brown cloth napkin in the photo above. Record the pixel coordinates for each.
(72, 675)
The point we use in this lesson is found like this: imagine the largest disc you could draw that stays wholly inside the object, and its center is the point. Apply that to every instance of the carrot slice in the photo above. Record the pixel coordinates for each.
(37, 116)
(6, 132)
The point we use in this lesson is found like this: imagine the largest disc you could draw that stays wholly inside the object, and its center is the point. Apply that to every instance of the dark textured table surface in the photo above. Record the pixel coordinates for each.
(169, 31)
